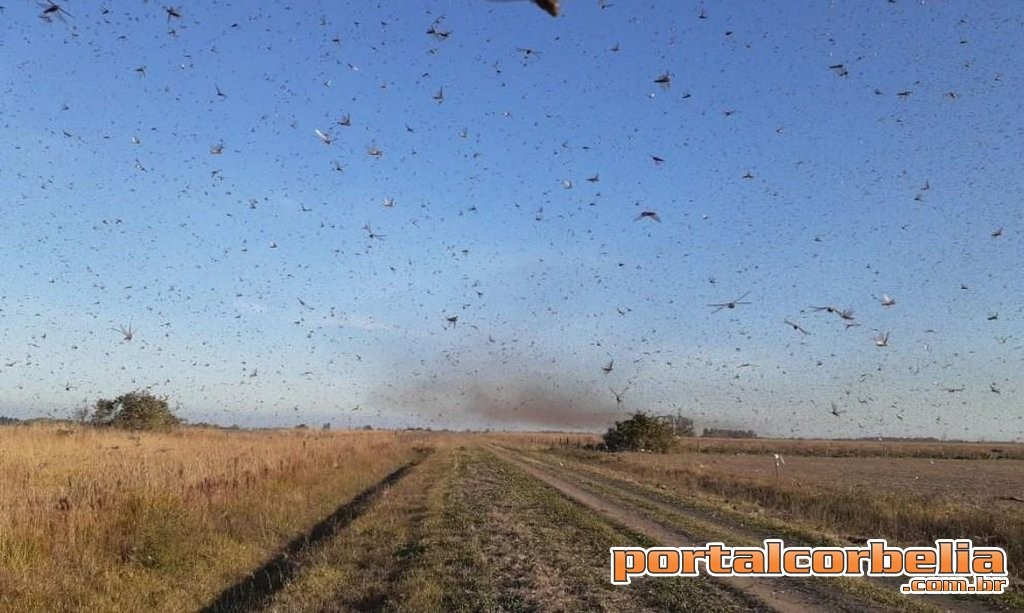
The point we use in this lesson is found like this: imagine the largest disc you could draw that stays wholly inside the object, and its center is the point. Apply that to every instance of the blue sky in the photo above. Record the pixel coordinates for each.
(115, 212)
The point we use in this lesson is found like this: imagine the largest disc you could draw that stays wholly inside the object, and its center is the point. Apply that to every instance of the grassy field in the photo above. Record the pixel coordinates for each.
(297, 520)
(115, 521)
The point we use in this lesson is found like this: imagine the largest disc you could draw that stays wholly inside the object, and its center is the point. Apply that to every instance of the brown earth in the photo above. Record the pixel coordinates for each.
(971, 482)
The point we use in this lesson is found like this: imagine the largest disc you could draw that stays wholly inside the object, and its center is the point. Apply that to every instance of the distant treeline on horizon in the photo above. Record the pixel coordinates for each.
(728, 433)
(706, 433)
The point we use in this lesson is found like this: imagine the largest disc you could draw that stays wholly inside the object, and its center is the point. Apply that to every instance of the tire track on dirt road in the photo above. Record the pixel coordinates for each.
(259, 586)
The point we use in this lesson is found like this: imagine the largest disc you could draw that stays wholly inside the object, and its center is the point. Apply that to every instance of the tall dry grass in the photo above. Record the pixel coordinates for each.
(118, 521)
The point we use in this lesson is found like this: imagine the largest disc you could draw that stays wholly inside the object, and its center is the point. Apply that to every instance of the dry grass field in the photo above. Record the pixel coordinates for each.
(109, 520)
(302, 520)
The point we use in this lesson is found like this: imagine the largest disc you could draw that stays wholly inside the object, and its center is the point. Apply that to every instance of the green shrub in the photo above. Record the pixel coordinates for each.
(139, 410)
(641, 432)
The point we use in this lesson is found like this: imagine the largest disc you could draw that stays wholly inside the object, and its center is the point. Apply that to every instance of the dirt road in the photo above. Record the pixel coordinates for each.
(483, 527)
(779, 595)
(673, 524)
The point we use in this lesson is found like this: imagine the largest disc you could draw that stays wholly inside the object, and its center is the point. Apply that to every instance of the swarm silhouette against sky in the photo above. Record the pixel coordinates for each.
(461, 213)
